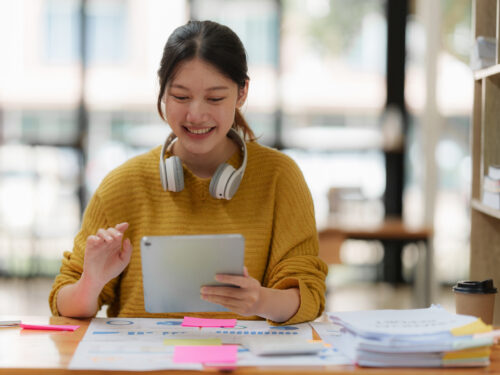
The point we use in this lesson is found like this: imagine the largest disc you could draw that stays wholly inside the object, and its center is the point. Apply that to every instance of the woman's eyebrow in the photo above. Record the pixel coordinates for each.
(213, 88)
(177, 86)
(217, 88)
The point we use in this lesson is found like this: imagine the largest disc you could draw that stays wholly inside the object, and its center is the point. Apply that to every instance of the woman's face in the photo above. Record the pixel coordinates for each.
(200, 104)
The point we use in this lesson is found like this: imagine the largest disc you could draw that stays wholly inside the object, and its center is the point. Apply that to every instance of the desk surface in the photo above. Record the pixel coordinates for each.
(388, 229)
(35, 352)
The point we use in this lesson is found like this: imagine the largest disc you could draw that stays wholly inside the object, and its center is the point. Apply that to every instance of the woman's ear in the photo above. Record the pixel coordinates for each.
(242, 94)
(163, 104)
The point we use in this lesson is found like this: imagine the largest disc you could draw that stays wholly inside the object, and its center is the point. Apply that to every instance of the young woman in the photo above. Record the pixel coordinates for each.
(203, 83)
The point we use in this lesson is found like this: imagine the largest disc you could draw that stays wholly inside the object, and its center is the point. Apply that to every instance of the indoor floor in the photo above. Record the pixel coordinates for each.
(29, 296)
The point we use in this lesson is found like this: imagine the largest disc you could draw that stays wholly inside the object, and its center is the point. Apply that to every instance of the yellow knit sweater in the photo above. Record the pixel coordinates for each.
(272, 209)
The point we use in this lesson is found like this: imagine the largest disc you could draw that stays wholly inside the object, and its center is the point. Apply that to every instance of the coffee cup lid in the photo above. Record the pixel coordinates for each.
(478, 287)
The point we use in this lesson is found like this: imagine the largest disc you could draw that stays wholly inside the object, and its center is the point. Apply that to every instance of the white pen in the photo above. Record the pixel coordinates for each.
(9, 323)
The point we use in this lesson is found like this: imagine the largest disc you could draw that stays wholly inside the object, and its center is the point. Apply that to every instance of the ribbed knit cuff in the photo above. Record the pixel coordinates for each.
(307, 310)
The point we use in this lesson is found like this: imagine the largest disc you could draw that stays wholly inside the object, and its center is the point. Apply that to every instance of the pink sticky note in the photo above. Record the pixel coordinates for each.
(206, 354)
(199, 322)
(49, 327)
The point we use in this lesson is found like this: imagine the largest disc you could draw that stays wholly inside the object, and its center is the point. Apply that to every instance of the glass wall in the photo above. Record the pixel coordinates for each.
(47, 161)
(333, 93)
(454, 88)
(317, 91)
(317, 71)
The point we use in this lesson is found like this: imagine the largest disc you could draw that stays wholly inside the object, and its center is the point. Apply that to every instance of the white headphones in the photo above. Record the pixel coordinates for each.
(224, 182)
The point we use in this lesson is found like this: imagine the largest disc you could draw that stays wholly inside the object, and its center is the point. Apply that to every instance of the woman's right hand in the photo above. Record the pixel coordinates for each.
(105, 257)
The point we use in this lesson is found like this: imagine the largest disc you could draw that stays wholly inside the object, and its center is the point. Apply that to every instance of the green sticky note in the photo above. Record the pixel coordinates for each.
(190, 342)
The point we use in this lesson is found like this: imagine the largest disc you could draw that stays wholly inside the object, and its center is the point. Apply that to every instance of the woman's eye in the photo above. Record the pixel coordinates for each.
(180, 97)
(215, 99)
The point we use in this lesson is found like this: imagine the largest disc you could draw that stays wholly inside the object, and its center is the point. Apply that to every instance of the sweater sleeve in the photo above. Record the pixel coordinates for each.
(293, 260)
(72, 262)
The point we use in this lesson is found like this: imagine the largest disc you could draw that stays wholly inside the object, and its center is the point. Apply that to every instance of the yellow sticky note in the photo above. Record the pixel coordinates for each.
(326, 345)
(477, 326)
(190, 342)
(480, 352)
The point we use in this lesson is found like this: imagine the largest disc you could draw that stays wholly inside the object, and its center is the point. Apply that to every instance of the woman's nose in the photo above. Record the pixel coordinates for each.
(196, 112)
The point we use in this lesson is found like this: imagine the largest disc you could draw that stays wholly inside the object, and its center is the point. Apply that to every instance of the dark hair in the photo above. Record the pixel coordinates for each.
(213, 43)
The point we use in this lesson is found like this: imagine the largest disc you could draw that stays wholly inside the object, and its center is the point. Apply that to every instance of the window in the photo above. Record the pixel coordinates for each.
(62, 30)
(106, 31)
(454, 88)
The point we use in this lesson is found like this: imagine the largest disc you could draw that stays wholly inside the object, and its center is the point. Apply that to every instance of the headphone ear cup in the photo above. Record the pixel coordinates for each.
(232, 185)
(218, 183)
(174, 174)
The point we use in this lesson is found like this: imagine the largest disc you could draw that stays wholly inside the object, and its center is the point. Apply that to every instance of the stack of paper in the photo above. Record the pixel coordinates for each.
(491, 187)
(429, 337)
(483, 53)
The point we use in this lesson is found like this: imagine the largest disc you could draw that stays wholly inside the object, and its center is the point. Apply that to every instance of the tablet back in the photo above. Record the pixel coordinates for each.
(175, 267)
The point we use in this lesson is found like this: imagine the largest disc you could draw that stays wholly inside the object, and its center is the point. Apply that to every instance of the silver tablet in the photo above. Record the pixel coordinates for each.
(175, 267)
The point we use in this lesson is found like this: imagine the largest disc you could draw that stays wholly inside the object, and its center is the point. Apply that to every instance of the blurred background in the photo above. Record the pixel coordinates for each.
(372, 98)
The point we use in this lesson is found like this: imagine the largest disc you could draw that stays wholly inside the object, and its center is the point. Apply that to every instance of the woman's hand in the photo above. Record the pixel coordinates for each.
(243, 300)
(251, 298)
(105, 257)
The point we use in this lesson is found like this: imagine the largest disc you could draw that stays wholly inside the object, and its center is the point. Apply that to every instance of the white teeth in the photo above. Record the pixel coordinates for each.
(199, 131)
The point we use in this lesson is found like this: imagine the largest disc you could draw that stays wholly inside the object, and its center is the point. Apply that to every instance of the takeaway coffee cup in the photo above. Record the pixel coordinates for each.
(476, 298)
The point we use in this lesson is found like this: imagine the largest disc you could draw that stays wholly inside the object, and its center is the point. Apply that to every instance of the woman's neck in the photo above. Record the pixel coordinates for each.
(205, 165)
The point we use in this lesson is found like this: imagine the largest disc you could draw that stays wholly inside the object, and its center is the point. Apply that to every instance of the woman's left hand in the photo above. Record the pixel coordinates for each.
(243, 300)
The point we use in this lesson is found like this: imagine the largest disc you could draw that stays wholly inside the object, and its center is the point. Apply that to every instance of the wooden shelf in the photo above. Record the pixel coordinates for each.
(485, 151)
(477, 205)
(488, 72)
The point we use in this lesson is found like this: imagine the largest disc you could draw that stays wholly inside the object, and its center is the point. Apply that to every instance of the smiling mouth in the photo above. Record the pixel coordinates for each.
(198, 130)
